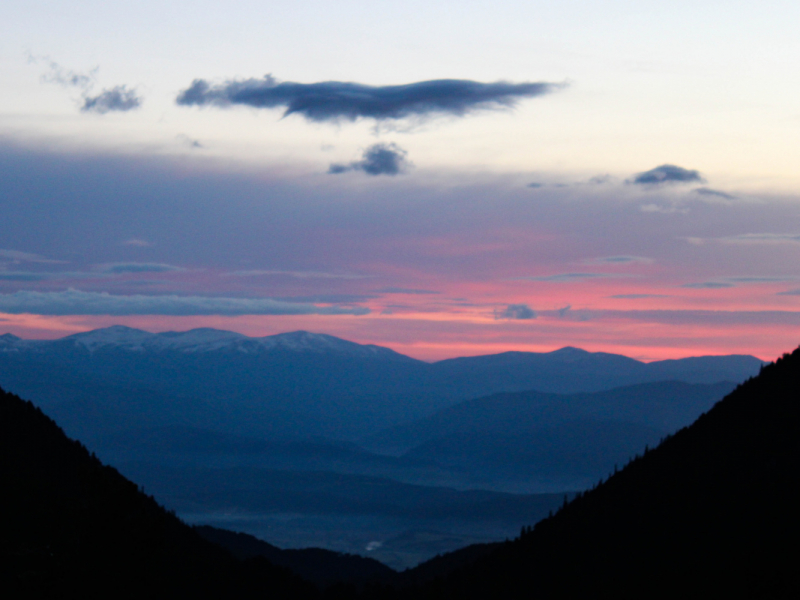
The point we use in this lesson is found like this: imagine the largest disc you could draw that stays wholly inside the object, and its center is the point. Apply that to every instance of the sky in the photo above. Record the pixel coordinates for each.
(442, 178)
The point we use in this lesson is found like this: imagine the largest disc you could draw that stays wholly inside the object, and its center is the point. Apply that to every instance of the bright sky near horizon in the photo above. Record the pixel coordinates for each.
(443, 178)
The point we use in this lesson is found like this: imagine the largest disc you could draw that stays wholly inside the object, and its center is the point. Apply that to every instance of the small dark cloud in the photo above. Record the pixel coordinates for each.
(535, 185)
(600, 179)
(667, 174)
(704, 191)
(789, 293)
(710, 285)
(378, 159)
(336, 100)
(562, 312)
(516, 312)
(397, 290)
(119, 98)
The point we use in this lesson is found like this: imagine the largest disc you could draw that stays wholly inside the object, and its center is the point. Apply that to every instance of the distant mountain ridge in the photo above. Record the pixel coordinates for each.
(296, 384)
(119, 337)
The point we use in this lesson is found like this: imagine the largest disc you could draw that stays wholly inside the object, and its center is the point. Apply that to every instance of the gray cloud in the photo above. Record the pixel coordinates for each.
(708, 285)
(378, 159)
(762, 238)
(667, 174)
(535, 185)
(119, 98)
(727, 282)
(77, 302)
(119, 268)
(23, 276)
(704, 191)
(336, 100)
(516, 312)
(789, 293)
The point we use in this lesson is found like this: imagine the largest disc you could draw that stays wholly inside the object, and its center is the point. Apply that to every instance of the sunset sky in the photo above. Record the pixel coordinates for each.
(442, 178)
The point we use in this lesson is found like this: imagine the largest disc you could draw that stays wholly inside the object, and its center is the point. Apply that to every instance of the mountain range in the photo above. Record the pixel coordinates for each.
(313, 440)
(296, 384)
(710, 511)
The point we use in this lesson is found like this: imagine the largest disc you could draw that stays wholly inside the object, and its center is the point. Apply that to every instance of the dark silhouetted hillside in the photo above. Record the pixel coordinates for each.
(711, 512)
(74, 528)
(317, 565)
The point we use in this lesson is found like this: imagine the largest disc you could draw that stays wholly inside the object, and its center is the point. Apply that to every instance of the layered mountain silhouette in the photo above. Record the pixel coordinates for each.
(710, 512)
(296, 384)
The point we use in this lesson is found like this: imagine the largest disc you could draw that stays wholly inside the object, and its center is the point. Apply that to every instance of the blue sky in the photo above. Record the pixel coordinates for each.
(422, 225)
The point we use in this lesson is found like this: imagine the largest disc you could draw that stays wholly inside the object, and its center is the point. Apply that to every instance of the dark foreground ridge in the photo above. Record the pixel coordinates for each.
(711, 512)
(74, 528)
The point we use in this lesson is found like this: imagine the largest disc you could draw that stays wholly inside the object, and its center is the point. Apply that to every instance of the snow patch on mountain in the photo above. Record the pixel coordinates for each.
(119, 337)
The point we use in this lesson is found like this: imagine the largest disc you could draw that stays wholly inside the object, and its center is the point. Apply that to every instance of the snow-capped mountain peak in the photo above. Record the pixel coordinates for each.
(121, 338)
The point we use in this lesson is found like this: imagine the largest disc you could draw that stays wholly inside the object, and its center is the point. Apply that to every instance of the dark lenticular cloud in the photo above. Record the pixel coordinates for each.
(378, 159)
(118, 98)
(667, 174)
(337, 100)
(516, 312)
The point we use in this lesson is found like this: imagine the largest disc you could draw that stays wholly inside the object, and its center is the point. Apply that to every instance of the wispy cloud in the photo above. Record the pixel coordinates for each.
(762, 238)
(704, 191)
(637, 296)
(296, 274)
(119, 98)
(515, 312)
(344, 101)
(137, 267)
(398, 290)
(137, 242)
(727, 282)
(62, 76)
(617, 260)
(569, 277)
(378, 159)
(667, 174)
(77, 302)
(16, 257)
(708, 285)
